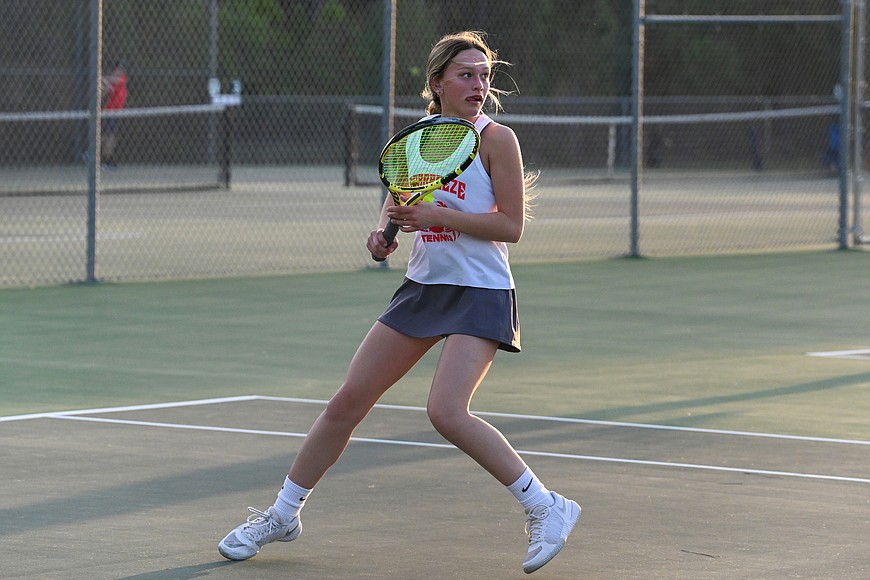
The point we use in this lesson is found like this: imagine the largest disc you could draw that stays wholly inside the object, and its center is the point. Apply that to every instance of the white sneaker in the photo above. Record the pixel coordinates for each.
(548, 528)
(260, 529)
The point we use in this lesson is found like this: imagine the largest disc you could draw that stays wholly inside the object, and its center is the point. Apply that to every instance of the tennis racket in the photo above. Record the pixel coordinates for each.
(424, 157)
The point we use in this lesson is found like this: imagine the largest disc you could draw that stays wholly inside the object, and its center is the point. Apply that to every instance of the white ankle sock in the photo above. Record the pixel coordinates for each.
(290, 500)
(529, 491)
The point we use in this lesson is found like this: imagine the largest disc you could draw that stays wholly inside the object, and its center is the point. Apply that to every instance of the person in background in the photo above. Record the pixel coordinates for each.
(831, 156)
(115, 94)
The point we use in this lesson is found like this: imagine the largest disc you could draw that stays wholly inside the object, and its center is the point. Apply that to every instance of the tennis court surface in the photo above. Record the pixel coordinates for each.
(675, 399)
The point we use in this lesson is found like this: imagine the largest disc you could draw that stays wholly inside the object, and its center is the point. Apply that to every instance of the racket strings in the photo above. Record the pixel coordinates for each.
(423, 157)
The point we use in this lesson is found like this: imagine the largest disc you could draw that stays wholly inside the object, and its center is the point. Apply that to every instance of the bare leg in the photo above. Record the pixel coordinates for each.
(383, 358)
(464, 363)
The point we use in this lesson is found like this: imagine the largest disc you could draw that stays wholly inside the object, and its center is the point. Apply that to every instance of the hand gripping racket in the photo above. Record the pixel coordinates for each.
(424, 157)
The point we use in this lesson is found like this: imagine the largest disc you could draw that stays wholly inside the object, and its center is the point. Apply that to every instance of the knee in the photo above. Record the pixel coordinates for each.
(345, 408)
(447, 420)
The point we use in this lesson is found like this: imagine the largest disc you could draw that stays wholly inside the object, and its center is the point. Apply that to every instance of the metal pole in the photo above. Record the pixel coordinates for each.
(212, 74)
(858, 119)
(388, 92)
(636, 122)
(80, 90)
(94, 146)
(845, 125)
(389, 70)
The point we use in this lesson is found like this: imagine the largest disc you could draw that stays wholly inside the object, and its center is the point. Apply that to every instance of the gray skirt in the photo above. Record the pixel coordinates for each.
(427, 310)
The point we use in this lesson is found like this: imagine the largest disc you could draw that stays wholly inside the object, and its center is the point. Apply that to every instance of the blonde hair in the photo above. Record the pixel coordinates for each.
(444, 51)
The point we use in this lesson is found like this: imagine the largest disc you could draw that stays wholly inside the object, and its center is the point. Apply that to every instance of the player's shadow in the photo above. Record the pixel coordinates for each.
(182, 573)
(617, 413)
(138, 496)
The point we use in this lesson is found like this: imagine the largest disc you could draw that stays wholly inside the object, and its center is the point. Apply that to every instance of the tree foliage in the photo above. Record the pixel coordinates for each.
(558, 47)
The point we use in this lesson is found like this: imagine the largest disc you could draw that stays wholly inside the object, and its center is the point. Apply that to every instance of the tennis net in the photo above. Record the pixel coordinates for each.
(578, 146)
(170, 148)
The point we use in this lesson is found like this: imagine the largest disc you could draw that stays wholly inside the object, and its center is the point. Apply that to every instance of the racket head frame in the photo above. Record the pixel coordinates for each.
(416, 193)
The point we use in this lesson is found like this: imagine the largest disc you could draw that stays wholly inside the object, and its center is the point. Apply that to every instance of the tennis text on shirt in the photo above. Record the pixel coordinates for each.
(438, 233)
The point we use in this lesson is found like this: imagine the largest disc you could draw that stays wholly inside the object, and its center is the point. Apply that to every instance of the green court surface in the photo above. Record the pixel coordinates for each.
(709, 414)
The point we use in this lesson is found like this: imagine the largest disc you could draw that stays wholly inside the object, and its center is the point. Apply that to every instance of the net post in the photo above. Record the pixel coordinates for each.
(611, 149)
(351, 146)
(226, 154)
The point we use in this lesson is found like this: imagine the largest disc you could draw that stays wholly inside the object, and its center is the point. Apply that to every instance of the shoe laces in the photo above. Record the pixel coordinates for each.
(260, 524)
(535, 523)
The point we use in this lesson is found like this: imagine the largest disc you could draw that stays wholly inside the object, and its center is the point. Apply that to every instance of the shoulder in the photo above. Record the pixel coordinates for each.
(499, 138)
(499, 147)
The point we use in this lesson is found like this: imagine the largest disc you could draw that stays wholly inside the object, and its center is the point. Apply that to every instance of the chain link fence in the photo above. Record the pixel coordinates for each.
(248, 139)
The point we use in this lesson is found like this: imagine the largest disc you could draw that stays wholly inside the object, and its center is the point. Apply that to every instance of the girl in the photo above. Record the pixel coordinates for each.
(459, 289)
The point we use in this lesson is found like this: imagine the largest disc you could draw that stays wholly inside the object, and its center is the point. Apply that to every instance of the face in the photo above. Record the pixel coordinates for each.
(464, 85)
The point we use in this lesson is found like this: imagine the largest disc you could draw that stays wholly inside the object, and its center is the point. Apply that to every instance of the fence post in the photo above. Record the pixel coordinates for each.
(388, 94)
(389, 80)
(844, 94)
(94, 138)
(858, 120)
(636, 122)
(213, 24)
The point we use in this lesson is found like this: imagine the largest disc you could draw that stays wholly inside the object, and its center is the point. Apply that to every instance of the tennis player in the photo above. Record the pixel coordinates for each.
(458, 290)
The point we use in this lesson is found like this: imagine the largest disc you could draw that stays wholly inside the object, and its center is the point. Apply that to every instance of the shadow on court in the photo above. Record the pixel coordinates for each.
(198, 571)
(797, 389)
(148, 494)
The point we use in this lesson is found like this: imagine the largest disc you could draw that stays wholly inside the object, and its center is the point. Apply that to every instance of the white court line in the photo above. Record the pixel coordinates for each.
(449, 446)
(862, 354)
(56, 414)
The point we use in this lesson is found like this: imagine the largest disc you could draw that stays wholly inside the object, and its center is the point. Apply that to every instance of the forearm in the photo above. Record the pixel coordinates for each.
(496, 226)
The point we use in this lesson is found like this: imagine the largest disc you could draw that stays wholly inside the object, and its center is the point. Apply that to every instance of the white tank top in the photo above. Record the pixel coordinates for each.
(444, 256)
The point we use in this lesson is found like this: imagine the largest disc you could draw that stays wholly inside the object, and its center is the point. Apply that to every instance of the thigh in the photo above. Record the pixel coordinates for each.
(463, 364)
(384, 356)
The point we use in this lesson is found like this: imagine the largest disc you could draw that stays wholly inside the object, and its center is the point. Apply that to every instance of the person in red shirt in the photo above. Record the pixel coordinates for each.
(115, 91)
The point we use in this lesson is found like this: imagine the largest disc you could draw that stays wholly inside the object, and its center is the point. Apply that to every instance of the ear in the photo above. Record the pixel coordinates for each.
(435, 85)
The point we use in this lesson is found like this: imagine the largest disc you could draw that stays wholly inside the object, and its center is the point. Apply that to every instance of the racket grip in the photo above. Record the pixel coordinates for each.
(389, 235)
